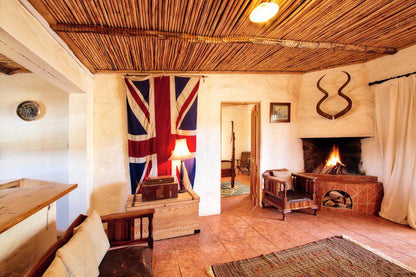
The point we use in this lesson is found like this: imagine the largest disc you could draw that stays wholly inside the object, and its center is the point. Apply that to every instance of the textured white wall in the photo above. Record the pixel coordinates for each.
(358, 122)
(33, 149)
(111, 170)
(51, 148)
(402, 62)
(78, 200)
(23, 244)
(241, 115)
(280, 143)
(280, 146)
(31, 43)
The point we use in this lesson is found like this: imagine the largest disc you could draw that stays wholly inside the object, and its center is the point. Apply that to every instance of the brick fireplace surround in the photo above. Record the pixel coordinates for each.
(365, 191)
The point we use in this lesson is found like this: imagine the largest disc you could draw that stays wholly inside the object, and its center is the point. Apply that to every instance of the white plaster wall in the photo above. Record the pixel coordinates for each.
(402, 62)
(358, 122)
(51, 148)
(241, 115)
(23, 244)
(111, 170)
(280, 143)
(26, 38)
(33, 149)
(280, 146)
(79, 199)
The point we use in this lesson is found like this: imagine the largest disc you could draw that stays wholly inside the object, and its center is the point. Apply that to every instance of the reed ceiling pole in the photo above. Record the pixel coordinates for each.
(129, 32)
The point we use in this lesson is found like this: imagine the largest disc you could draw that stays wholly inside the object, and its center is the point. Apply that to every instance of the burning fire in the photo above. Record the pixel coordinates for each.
(334, 157)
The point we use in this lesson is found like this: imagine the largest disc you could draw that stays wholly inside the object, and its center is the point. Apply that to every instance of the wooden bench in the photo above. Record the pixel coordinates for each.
(125, 257)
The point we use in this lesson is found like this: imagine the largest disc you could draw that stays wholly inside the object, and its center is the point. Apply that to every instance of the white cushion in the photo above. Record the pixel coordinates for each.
(94, 227)
(56, 269)
(284, 175)
(78, 255)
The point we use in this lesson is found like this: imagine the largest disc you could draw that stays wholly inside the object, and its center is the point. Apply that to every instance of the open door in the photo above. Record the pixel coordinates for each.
(254, 159)
(248, 118)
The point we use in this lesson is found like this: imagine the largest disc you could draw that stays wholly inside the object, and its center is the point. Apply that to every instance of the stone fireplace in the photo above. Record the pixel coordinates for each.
(351, 192)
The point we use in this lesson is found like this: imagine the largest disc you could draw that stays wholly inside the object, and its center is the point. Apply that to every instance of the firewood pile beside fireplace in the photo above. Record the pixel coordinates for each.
(337, 199)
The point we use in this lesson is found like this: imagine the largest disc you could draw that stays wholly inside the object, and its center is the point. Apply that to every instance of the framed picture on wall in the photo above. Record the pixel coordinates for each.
(279, 112)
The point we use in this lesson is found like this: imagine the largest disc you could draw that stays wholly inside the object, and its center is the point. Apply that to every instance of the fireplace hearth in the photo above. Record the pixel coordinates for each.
(316, 152)
(348, 194)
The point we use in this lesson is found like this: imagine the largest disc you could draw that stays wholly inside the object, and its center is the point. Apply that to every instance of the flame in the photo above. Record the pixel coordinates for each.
(334, 157)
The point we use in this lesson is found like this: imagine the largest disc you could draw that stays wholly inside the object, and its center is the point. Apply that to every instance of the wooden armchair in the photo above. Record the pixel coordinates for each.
(121, 228)
(277, 192)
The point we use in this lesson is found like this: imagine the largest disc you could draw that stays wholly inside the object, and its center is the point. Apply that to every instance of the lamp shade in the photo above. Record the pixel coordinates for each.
(181, 151)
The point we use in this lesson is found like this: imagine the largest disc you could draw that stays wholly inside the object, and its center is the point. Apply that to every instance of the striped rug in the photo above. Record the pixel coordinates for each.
(335, 256)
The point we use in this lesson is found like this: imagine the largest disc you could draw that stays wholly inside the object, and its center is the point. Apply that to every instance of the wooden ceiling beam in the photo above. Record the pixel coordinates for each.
(129, 32)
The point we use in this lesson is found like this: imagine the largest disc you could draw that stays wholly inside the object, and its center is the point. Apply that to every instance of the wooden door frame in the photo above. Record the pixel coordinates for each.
(258, 104)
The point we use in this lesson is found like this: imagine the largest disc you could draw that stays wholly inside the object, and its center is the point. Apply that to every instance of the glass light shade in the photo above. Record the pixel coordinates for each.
(264, 12)
(181, 151)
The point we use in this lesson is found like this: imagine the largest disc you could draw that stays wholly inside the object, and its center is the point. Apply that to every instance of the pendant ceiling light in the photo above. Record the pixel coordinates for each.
(264, 12)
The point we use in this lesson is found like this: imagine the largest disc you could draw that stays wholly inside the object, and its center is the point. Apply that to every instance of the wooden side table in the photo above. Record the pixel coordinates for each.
(173, 217)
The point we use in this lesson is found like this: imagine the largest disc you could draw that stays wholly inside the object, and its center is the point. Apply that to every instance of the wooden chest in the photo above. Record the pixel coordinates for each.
(157, 191)
(173, 217)
(160, 180)
(161, 187)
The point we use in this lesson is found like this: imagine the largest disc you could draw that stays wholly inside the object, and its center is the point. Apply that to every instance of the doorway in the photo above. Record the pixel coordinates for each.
(240, 129)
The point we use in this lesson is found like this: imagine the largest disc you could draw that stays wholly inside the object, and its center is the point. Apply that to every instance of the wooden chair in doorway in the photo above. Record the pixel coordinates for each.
(228, 166)
(243, 164)
(288, 196)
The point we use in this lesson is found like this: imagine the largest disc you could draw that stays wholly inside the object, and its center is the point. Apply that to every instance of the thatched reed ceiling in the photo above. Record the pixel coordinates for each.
(217, 36)
(10, 67)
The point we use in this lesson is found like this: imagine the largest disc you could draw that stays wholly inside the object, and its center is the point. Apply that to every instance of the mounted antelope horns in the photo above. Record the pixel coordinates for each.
(318, 106)
(341, 113)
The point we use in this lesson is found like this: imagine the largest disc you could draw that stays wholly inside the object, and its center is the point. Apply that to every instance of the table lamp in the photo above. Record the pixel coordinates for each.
(180, 153)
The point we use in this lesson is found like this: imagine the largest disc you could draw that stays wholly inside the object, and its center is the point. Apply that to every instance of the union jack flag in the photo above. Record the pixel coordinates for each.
(159, 111)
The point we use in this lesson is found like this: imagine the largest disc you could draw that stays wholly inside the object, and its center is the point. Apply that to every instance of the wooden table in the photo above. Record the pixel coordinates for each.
(18, 203)
(173, 217)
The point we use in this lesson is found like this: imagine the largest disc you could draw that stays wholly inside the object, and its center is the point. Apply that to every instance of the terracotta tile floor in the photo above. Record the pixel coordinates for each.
(243, 231)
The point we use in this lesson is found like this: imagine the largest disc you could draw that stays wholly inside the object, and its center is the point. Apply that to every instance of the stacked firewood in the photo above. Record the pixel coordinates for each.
(333, 169)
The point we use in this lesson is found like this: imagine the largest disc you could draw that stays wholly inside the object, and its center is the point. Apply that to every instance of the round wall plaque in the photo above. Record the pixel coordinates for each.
(28, 110)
